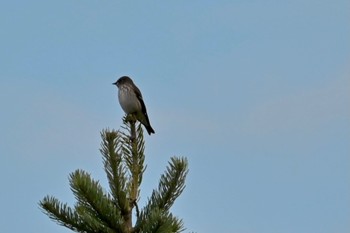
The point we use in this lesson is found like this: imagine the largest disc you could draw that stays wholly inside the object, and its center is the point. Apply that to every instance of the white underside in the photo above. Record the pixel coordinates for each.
(129, 102)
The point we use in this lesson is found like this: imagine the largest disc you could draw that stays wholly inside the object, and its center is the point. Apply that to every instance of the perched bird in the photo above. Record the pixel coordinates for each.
(130, 99)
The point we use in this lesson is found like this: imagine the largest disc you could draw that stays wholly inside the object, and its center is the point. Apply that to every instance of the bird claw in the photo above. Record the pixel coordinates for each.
(130, 118)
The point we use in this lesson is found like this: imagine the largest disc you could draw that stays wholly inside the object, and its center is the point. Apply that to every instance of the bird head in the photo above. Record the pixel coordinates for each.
(122, 80)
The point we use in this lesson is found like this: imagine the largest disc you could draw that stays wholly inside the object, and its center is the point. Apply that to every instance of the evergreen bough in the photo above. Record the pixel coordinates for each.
(100, 211)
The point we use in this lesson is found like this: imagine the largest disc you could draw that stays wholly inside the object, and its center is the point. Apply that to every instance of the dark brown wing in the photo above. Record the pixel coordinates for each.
(143, 109)
(139, 97)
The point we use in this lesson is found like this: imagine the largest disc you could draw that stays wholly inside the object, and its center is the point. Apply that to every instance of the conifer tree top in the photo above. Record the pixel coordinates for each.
(112, 210)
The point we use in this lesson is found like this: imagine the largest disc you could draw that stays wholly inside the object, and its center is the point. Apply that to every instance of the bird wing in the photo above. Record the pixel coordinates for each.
(144, 117)
(139, 97)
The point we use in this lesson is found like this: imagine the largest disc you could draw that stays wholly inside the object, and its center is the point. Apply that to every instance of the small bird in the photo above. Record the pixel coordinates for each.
(130, 99)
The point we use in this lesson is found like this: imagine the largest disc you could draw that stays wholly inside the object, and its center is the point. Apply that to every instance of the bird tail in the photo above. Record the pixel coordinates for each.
(143, 118)
(149, 129)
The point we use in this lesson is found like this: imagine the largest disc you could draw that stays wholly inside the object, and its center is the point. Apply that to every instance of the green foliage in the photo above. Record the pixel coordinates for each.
(171, 185)
(97, 210)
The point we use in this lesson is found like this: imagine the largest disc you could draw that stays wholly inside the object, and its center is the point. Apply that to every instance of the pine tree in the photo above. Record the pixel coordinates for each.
(100, 211)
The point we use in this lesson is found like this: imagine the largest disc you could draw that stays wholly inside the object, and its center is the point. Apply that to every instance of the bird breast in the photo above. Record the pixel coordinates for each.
(129, 102)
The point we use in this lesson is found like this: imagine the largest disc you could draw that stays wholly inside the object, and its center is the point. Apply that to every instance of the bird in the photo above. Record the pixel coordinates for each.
(131, 101)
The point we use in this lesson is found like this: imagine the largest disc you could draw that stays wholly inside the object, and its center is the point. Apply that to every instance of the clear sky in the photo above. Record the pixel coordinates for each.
(256, 94)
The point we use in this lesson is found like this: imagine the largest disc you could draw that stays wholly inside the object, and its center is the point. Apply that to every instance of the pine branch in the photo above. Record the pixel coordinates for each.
(159, 221)
(93, 223)
(133, 154)
(62, 214)
(171, 185)
(113, 162)
(93, 205)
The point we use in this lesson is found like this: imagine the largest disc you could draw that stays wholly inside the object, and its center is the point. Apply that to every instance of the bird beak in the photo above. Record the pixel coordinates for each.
(114, 83)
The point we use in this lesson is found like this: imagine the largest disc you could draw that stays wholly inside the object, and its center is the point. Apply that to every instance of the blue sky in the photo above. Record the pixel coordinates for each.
(255, 94)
